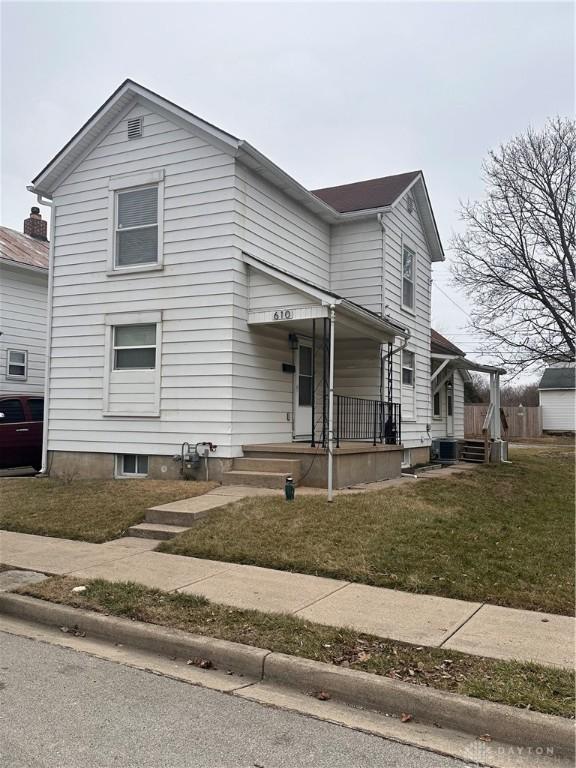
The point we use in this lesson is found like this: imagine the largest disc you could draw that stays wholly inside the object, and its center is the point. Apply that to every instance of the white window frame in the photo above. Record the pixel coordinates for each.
(408, 245)
(405, 389)
(127, 184)
(120, 473)
(135, 346)
(17, 376)
(439, 414)
(131, 318)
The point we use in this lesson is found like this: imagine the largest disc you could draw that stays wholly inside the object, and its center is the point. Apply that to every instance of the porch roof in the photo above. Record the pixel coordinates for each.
(354, 316)
(457, 361)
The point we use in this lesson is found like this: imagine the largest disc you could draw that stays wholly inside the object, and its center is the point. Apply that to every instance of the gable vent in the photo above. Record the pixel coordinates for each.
(410, 203)
(134, 127)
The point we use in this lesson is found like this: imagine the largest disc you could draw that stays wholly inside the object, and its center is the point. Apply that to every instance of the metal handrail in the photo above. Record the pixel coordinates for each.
(357, 418)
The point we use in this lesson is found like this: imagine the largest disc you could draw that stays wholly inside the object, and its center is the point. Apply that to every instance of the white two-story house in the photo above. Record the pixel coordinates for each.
(199, 294)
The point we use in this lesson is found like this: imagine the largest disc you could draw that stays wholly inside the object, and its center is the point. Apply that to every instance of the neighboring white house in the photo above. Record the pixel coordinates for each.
(23, 306)
(557, 392)
(198, 292)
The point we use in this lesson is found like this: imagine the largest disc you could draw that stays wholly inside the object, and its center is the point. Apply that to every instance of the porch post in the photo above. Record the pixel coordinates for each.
(331, 410)
(313, 443)
(497, 429)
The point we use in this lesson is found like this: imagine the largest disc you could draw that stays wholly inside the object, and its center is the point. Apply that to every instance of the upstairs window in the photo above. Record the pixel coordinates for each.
(17, 364)
(408, 272)
(136, 227)
(134, 347)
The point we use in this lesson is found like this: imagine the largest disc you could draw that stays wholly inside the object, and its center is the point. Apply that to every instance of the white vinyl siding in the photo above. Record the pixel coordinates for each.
(367, 267)
(558, 409)
(193, 292)
(23, 303)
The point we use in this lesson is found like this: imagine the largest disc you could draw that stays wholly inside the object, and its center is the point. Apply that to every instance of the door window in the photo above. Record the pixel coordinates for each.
(304, 375)
(12, 411)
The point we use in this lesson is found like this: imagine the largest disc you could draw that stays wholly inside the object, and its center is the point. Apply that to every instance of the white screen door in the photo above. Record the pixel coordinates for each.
(303, 392)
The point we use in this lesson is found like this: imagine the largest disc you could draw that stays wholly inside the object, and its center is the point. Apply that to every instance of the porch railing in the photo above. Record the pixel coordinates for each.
(356, 418)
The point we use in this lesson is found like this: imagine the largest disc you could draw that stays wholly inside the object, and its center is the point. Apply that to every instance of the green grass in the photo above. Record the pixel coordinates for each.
(500, 534)
(532, 686)
(89, 510)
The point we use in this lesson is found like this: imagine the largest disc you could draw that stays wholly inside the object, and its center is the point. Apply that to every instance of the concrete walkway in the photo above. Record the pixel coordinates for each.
(476, 628)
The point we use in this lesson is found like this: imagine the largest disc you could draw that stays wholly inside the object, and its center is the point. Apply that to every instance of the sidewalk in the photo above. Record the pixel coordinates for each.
(475, 628)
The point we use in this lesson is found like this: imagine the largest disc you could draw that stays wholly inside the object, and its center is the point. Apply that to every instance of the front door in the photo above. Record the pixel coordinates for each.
(303, 392)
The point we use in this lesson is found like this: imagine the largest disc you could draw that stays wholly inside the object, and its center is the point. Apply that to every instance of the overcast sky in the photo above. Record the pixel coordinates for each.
(331, 92)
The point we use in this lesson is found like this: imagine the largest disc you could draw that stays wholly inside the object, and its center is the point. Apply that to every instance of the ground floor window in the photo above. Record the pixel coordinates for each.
(436, 405)
(130, 465)
(17, 364)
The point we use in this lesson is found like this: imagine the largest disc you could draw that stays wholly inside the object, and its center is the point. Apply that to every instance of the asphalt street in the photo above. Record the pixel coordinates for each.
(65, 709)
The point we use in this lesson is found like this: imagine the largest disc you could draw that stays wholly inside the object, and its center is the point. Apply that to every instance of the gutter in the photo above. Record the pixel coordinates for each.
(48, 349)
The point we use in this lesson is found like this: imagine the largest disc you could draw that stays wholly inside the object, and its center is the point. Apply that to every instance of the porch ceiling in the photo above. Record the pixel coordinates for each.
(351, 320)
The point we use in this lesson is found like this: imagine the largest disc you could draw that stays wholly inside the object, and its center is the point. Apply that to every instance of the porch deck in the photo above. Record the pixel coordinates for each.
(353, 462)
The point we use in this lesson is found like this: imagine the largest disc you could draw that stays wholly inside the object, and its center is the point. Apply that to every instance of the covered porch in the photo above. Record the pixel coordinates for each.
(492, 447)
(340, 363)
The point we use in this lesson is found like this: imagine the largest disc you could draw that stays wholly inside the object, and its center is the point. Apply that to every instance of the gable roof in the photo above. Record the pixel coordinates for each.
(362, 195)
(129, 92)
(443, 346)
(23, 250)
(558, 378)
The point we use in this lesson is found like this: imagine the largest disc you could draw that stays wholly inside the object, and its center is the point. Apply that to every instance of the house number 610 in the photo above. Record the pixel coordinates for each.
(282, 314)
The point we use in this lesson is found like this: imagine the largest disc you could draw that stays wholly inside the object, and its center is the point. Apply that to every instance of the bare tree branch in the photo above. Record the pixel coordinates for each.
(517, 258)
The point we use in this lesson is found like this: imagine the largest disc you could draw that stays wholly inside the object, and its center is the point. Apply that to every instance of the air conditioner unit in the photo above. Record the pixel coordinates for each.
(447, 450)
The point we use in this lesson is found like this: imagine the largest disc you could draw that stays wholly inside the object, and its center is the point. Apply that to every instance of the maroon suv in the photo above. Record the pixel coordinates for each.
(21, 421)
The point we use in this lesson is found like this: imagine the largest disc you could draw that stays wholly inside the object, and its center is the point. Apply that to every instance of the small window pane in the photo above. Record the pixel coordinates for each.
(408, 294)
(142, 465)
(437, 404)
(134, 335)
(135, 358)
(12, 410)
(36, 405)
(408, 263)
(305, 361)
(449, 404)
(129, 465)
(137, 246)
(304, 390)
(138, 207)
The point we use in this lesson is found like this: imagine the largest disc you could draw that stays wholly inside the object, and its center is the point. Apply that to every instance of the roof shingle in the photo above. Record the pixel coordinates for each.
(558, 378)
(363, 195)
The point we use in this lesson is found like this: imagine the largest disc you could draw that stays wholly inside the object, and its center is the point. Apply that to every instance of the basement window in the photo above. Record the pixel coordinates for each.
(131, 465)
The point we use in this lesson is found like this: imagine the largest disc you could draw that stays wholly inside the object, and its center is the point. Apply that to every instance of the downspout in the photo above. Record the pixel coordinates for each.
(331, 409)
(48, 348)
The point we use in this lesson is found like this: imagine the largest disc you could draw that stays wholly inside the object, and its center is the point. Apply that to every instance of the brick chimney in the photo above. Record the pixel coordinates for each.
(35, 226)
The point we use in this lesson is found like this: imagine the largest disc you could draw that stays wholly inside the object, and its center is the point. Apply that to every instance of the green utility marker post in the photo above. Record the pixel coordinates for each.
(289, 488)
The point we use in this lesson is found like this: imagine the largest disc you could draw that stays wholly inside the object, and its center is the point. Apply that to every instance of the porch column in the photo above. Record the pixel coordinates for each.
(331, 409)
(495, 398)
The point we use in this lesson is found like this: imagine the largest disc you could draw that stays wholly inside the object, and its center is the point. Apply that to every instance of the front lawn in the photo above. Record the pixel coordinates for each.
(529, 686)
(498, 534)
(89, 510)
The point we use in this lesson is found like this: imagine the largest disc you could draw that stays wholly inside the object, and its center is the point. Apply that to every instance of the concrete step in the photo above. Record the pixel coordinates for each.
(288, 466)
(255, 479)
(171, 518)
(155, 531)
